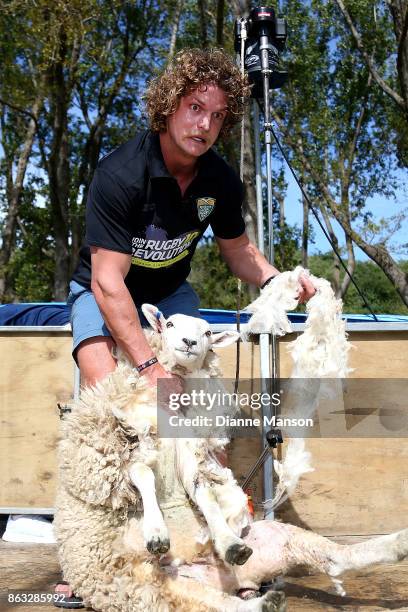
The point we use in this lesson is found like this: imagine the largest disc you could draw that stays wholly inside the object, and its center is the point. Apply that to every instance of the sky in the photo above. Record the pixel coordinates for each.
(380, 207)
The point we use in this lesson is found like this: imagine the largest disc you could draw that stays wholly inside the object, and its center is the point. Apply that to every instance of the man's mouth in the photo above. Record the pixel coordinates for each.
(198, 139)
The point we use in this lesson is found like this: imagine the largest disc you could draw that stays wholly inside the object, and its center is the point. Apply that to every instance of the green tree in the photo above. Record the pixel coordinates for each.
(81, 70)
(21, 102)
(376, 287)
(335, 125)
(212, 280)
(390, 28)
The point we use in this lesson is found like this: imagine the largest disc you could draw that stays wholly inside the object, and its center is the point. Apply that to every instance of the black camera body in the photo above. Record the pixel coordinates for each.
(266, 39)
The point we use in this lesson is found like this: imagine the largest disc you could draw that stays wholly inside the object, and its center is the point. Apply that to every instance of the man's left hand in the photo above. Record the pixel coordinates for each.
(307, 289)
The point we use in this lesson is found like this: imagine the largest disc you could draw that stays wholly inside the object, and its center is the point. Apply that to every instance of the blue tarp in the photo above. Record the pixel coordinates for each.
(54, 313)
(57, 313)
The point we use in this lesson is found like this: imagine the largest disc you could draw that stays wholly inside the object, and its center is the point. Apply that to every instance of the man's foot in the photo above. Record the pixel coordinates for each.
(65, 597)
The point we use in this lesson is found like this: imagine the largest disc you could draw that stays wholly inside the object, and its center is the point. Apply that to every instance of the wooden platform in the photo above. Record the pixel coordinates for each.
(364, 474)
(34, 568)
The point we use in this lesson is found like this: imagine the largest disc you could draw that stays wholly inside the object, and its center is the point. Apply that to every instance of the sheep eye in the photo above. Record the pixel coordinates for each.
(169, 324)
(208, 333)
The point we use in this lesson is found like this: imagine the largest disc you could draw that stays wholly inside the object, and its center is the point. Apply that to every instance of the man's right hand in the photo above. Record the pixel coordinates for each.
(169, 383)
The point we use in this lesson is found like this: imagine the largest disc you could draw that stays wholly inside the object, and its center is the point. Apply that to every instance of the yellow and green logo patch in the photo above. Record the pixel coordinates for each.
(205, 207)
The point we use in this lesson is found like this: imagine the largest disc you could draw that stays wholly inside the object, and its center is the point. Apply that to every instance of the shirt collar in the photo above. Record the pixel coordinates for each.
(154, 157)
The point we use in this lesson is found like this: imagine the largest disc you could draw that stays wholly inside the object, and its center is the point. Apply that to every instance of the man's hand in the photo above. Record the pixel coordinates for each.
(156, 372)
(169, 384)
(307, 289)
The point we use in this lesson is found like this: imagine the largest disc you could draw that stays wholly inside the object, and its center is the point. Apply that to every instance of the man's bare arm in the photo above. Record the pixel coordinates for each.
(246, 262)
(109, 270)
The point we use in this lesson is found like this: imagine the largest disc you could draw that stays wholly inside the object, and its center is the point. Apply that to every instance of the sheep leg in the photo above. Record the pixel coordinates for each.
(279, 547)
(155, 532)
(333, 559)
(291, 546)
(230, 548)
(389, 548)
(204, 596)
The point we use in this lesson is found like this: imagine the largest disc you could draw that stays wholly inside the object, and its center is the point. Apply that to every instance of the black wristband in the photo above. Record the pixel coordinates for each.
(146, 364)
(268, 280)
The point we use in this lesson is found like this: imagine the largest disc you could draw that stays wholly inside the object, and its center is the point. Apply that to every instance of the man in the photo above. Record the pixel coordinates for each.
(149, 203)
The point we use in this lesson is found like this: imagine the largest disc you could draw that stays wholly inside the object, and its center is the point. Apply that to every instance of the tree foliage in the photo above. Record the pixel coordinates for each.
(374, 284)
(218, 289)
(71, 83)
(336, 124)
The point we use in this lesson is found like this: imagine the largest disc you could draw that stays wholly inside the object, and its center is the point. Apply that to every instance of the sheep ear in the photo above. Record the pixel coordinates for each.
(154, 317)
(224, 338)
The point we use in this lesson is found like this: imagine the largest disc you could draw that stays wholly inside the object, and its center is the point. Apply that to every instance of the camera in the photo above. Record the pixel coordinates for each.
(266, 39)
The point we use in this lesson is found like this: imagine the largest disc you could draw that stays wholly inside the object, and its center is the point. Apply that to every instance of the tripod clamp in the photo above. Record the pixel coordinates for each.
(273, 438)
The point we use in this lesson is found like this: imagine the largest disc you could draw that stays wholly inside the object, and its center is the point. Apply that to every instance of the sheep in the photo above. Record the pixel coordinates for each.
(184, 346)
(103, 555)
(108, 450)
(125, 496)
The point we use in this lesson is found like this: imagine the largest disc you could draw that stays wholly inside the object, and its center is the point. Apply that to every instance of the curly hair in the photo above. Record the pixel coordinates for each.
(190, 69)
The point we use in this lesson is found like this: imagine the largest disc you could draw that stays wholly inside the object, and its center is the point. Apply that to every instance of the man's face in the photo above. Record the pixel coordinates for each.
(195, 125)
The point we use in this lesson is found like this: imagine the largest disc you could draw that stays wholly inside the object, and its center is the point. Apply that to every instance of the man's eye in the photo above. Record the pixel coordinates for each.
(194, 107)
(169, 324)
(219, 116)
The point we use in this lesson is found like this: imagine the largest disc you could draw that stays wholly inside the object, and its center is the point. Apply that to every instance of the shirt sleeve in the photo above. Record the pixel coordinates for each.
(227, 221)
(108, 213)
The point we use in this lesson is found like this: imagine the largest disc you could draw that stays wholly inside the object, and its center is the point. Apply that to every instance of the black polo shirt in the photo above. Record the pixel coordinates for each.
(135, 206)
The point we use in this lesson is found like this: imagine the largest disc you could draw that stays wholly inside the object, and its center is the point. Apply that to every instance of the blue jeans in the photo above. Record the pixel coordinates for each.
(87, 321)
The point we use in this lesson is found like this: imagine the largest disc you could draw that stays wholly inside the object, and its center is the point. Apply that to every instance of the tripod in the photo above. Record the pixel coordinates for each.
(260, 37)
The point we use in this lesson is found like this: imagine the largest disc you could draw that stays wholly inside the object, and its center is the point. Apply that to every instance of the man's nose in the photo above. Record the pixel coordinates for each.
(205, 122)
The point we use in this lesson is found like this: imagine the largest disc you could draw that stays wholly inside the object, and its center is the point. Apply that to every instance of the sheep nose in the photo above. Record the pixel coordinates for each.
(189, 342)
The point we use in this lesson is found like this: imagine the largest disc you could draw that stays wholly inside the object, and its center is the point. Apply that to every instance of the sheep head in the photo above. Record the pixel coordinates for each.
(185, 341)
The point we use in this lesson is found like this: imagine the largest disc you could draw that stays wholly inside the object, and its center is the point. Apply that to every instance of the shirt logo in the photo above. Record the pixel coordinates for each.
(205, 207)
(155, 250)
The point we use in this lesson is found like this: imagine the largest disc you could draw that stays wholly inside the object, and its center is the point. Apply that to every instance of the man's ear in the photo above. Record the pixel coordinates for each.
(154, 317)
(224, 338)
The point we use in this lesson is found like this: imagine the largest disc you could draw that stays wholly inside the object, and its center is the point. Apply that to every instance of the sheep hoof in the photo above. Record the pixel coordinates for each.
(238, 554)
(274, 601)
(157, 546)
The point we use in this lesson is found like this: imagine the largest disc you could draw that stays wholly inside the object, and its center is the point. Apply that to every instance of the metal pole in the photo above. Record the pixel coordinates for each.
(266, 411)
(265, 366)
(258, 179)
(264, 46)
(267, 342)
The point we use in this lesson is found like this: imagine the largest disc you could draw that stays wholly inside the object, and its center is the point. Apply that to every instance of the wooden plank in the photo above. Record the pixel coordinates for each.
(243, 452)
(380, 588)
(34, 568)
(249, 360)
(373, 354)
(37, 372)
(368, 474)
(358, 487)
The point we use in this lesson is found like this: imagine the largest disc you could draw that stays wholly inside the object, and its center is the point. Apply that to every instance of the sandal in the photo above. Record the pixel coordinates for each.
(69, 603)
